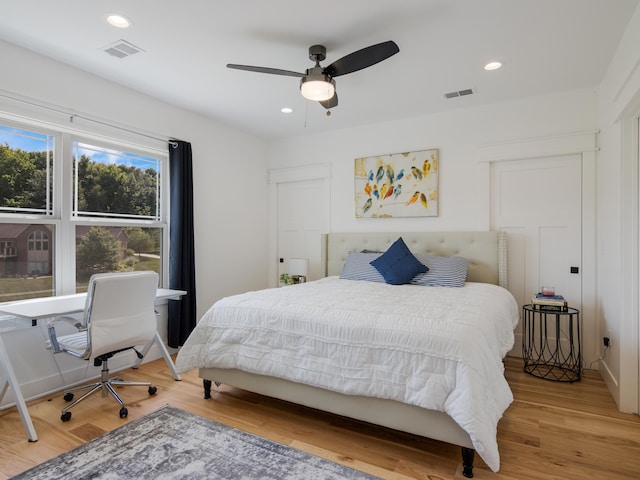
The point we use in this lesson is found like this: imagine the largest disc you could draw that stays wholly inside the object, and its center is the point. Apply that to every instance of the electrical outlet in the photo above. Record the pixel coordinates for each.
(606, 341)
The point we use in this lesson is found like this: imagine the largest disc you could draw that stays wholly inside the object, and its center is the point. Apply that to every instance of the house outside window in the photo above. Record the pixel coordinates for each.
(73, 206)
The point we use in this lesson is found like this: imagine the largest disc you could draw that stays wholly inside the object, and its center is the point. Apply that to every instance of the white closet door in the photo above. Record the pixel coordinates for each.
(301, 221)
(538, 203)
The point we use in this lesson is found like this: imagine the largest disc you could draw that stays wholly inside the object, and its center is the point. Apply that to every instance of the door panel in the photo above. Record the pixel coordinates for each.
(539, 203)
(300, 223)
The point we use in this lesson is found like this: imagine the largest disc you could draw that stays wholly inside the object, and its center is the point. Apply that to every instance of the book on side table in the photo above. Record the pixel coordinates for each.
(549, 303)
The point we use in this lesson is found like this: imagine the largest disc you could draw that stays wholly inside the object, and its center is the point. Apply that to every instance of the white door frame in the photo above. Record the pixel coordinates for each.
(629, 395)
(585, 145)
(293, 174)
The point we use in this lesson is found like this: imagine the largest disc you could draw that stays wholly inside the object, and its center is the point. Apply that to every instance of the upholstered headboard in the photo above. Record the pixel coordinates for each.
(486, 252)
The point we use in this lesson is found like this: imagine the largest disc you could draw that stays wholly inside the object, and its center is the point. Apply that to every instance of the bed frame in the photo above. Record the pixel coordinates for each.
(486, 254)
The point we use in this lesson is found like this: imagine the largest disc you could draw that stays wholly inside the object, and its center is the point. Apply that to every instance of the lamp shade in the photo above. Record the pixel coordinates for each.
(317, 87)
(298, 266)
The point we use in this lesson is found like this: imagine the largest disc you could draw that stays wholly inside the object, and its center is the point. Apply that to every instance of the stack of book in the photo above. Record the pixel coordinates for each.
(550, 303)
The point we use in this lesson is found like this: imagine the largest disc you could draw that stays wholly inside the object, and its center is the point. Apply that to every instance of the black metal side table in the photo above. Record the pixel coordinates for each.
(551, 343)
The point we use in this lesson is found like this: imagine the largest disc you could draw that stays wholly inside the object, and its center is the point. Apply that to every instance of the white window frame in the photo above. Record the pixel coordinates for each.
(61, 217)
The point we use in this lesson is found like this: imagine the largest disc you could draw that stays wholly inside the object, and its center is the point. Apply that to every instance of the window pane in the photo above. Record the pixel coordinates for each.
(115, 249)
(26, 166)
(25, 272)
(111, 183)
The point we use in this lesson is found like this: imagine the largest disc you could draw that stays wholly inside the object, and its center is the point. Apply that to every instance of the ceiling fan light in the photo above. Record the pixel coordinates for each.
(317, 90)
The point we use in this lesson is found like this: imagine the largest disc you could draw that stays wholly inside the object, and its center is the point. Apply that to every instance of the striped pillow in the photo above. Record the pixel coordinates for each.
(443, 271)
(357, 267)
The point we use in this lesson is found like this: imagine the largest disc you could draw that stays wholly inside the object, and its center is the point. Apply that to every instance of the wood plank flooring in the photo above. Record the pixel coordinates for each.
(551, 431)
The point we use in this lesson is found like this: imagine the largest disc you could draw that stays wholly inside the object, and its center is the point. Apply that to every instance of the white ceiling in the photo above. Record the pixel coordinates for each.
(546, 46)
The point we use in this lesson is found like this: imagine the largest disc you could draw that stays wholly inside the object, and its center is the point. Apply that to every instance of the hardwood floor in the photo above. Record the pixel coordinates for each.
(551, 431)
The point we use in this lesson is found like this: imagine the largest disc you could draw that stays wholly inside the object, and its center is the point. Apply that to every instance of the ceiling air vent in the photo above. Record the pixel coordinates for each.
(459, 93)
(122, 49)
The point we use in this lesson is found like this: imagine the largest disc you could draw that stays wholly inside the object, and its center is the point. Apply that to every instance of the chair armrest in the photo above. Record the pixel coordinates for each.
(71, 321)
(53, 337)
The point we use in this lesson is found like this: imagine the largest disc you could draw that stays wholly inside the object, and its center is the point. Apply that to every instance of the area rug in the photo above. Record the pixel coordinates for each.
(173, 444)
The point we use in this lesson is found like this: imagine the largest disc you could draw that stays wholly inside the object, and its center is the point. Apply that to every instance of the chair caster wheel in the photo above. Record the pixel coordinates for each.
(66, 416)
(153, 390)
(68, 397)
(124, 412)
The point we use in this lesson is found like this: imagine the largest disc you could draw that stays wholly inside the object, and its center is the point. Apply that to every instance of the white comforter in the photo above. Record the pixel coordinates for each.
(438, 348)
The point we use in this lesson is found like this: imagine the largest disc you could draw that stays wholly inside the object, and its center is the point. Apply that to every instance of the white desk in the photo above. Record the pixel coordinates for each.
(36, 309)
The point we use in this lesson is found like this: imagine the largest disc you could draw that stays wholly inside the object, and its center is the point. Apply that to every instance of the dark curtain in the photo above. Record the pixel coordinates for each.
(182, 274)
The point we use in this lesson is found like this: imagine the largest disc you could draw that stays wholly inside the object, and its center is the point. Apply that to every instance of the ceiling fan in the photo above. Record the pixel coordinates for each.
(318, 83)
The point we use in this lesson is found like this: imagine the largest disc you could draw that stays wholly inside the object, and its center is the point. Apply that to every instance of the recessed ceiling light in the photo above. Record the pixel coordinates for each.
(286, 110)
(118, 21)
(492, 66)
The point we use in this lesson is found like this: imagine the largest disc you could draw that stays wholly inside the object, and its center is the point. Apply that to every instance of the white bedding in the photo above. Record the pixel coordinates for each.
(434, 347)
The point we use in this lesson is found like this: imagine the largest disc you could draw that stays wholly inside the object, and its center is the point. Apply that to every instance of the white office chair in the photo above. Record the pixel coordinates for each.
(119, 315)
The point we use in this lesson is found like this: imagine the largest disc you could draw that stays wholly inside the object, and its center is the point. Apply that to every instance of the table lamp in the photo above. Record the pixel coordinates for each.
(298, 269)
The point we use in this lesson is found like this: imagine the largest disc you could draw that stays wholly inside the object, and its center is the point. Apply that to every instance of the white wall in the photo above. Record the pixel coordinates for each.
(617, 213)
(229, 175)
(464, 182)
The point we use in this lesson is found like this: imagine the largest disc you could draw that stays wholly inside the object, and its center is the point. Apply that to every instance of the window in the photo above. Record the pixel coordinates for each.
(71, 207)
(38, 240)
(26, 168)
(115, 184)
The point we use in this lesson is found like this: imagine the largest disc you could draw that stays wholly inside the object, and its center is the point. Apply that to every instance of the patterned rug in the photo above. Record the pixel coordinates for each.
(173, 444)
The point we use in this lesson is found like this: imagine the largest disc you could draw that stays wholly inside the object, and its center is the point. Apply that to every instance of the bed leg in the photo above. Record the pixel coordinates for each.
(467, 461)
(207, 389)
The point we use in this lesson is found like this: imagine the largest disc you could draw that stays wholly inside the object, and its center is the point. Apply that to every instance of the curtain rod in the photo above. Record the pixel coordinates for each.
(71, 116)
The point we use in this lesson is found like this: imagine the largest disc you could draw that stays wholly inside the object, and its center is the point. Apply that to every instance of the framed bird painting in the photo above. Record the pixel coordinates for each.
(397, 185)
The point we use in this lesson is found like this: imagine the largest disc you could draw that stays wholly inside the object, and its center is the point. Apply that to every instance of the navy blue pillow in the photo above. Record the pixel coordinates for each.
(398, 265)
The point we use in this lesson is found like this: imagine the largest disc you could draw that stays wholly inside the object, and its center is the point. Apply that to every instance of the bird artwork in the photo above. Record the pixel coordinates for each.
(413, 198)
(426, 168)
(397, 185)
(390, 174)
(379, 174)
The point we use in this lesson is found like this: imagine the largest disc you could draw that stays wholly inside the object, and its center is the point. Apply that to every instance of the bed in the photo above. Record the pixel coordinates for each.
(335, 344)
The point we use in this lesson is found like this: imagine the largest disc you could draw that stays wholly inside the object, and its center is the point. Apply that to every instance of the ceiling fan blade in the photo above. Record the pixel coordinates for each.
(274, 71)
(332, 102)
(362, 58)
